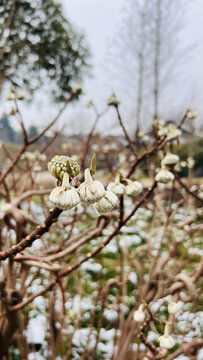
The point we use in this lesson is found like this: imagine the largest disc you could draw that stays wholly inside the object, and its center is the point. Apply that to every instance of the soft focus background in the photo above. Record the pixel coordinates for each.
(150, 54)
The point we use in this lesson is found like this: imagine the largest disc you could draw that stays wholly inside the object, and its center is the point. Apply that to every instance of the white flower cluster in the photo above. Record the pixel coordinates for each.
(33, 156)
(164, 175)
(143, 136)
(12, 95)
(191, 114)
(166, 341)
(139, 314)
(77, 90)
(157, 124)
(113, 101)
(133, 188)
(171, 132)
(90, 192)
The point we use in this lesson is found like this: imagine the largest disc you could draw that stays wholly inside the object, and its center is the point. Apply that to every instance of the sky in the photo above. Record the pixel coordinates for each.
(99, 20)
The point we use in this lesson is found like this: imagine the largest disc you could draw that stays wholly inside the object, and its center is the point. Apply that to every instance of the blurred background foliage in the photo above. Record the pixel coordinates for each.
(39, 46)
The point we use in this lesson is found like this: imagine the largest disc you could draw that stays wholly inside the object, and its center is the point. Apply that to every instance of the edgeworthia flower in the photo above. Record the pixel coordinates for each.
(170, 131)
(164, 176)
(113, 101)
(133, 188)
(90, 190)
(191, 114)
(10, 95)
(77, 90)
(173, 132)
(157, 124)
(60, 165)
(173, 307)
(139, 314)
(106, 204)
(64, 197)
(166, 341)
(116, 187)
(190, 162)
(170, 160)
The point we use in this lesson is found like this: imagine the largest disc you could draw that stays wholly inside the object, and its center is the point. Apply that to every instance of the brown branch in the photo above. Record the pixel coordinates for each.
(89, 137)
(132, 147)
(34, 139)
(37, 233)
(186, 348)
(186, 188)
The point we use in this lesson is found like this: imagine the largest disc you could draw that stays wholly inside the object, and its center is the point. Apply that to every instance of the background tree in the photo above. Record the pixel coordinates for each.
(148, 53)
(6, 131)
(39, 45)
(32, 131)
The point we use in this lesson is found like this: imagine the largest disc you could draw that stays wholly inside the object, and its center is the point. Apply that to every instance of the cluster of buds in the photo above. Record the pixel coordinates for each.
(78, 90)
(89, 192)
(191, 114)
(143, 136)
(60, 165)
(190, 162)
(171, 132)
(166, 341)
(157, 124)
(113, 101)
(173, 307)
(170, 160)
(33, 156)
(164, 176)
(12, 95)
(65, 197)
(133, 188)
(139, 314)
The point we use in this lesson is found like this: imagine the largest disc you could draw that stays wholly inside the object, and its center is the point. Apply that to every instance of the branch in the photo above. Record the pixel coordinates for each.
(186, 188)
(34, 139)
(36, 234)
(132, 147)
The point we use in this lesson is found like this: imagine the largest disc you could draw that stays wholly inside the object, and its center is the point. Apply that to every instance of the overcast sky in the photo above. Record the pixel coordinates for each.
(99, 19)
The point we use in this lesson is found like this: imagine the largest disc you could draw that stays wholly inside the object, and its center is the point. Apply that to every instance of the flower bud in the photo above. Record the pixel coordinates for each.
(133, 188)
(10, 95)
(19, 95)
(191, 114)
(173, 307)
(91, 191)
(107, 203)
(60, 165)
(157, 124)
(78, 90)
(164, 176)
(166, 341)
(139, 314)
(113, 101)
(170, 160)
(170, 131)
(116, 187)
(65, 197)
(190, 162)
(173, 133)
